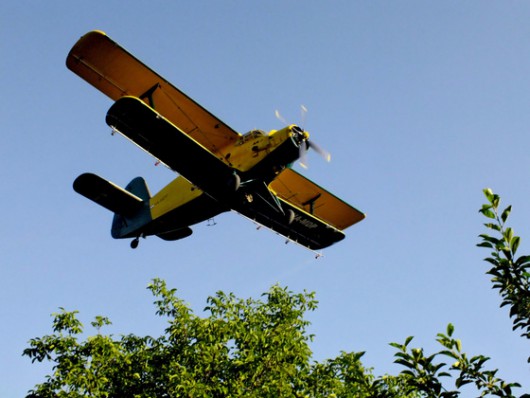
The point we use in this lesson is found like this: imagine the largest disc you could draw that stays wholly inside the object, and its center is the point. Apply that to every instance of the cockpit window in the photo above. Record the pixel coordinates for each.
(250, 136)
(254, 133)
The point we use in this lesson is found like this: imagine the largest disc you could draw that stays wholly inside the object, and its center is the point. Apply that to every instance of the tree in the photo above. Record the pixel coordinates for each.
(243, 348)
(510, 274)
(261, 348)
(250, 348)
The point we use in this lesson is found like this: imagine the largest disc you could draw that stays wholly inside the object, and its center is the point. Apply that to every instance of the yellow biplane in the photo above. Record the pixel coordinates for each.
(219, 169)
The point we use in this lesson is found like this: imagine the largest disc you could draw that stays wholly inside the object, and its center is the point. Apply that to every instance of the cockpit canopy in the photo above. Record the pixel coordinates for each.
(254, 134)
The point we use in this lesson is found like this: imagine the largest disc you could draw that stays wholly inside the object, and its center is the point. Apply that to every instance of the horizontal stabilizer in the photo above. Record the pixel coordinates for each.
(107, 194)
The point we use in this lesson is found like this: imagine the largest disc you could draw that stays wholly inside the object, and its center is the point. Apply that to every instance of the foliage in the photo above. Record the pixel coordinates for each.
(510, 274)
(249, 348)
(424, 374)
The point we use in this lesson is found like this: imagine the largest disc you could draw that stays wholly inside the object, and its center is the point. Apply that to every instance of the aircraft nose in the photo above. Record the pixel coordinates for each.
(299, 134)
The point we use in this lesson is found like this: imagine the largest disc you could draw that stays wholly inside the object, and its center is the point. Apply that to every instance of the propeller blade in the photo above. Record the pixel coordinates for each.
(279, 116)
(321, 151)
(302, 159)
(303, 114)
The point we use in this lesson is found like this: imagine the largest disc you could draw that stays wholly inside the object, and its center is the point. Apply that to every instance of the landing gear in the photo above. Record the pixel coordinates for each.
(235, 182)
(134, 243)
(290, 216)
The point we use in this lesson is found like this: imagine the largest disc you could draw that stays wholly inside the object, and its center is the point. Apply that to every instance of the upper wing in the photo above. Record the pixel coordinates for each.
(306, 195)
(114, 71)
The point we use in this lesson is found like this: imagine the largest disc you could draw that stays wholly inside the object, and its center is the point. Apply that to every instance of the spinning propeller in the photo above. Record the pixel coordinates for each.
(303, 140)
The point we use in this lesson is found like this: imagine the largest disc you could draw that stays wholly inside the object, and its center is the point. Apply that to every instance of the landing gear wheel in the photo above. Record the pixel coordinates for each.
(134, 243)
(290, 216)
(236, 182)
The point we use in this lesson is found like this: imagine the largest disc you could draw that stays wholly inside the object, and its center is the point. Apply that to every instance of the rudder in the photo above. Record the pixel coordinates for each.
(127, 226)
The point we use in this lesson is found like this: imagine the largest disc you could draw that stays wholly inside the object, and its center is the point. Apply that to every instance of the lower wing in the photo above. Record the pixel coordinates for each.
(264, 207)
(158, 136)
(304, 194)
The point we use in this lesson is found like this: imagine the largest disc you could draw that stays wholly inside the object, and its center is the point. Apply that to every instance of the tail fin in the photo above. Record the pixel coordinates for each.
(127, 226)
(130, 205)
(138, 187)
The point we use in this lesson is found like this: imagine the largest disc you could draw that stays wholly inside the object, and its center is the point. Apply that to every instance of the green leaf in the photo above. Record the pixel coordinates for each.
(449, 354)
(493, 226)
(521, 261)
(461, 382)
(508, 235)
(506, 213)
(487, 212)
(514, 244)
(404, 363)
(488, 193)
(458, 345)
(494, 241)
(408, 340)
(450, 329)
(495, 202)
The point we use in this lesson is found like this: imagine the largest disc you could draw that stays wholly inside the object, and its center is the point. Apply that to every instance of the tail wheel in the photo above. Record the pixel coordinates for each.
(134, 243)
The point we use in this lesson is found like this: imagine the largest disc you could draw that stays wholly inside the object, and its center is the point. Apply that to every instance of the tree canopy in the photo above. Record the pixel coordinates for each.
(261, 347)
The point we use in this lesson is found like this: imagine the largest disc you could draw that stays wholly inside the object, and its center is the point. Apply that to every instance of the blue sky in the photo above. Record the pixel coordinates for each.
(422, 104)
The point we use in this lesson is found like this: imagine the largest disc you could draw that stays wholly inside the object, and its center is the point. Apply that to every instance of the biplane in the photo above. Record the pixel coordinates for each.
(218, 169)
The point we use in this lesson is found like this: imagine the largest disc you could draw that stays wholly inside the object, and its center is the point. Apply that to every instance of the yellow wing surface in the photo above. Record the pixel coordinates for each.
(114, 71)
(313, 199)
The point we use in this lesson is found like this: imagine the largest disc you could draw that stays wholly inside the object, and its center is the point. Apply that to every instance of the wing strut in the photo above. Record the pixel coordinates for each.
(274, 203)
(149, 95)
(311, 203)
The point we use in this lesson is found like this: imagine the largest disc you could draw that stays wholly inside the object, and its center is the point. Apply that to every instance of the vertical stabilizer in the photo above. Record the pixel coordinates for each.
(138, 186)
(126, 226)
